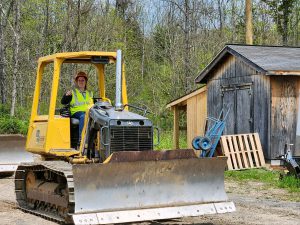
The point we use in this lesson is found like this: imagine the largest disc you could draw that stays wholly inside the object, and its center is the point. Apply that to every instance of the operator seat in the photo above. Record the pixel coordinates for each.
(74, 126)
(74, 122)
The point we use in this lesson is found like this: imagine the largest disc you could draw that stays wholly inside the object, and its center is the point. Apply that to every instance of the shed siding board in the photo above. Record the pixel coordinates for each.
(284, 112)
(191, 119)
(261, 110)
(227, 97)
(196, 116)
(214, 100)
(243, 111)
(202, 113)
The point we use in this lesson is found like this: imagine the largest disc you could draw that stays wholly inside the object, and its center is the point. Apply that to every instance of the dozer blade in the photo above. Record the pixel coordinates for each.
(144, 190)
(12, 152)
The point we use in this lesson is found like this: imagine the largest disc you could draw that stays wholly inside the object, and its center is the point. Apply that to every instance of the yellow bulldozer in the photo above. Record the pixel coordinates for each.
(115, 176)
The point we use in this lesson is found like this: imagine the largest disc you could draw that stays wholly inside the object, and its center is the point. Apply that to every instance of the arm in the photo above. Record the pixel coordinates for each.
(66, 99)
(91, 97)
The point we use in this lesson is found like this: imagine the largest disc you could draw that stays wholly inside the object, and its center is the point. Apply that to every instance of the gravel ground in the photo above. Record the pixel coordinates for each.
(255, 203)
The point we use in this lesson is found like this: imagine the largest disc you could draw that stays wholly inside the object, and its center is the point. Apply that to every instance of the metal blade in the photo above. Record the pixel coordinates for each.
(12, 152)
(148, 184)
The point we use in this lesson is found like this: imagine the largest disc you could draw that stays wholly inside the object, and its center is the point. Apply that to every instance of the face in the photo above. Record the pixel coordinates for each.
(81, 82)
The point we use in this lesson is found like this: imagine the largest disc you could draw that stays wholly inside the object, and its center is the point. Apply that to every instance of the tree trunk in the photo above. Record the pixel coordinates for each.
(221, 21)
(249, 30)
(3, 22)
(297, 24)
(77, 28)
(15, 56)
(233, 22)
(187, 46)
(45, 29)
(2, 63)
(285, 24)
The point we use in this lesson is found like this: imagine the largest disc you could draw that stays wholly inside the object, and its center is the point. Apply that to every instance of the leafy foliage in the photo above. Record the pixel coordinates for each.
(165, 44)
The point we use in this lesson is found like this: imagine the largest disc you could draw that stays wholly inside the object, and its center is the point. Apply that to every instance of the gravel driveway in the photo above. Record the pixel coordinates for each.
(255, 203)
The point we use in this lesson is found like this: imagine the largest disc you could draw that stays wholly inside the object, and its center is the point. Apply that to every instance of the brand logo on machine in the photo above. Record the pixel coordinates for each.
(38, 136)
(129, 123)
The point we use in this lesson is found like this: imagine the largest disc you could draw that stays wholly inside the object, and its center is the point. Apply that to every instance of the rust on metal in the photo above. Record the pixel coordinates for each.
(133, 156)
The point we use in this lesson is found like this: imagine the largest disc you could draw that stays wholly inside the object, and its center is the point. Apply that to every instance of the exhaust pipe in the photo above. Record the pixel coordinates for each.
(118, 102)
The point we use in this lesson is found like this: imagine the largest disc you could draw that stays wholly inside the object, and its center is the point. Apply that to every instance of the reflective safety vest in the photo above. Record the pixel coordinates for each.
(80, 103)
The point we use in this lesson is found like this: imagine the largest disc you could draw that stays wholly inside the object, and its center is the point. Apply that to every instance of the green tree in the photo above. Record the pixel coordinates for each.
(281, 11)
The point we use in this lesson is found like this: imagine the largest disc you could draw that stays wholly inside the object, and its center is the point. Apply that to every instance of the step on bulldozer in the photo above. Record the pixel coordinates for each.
(114, 176)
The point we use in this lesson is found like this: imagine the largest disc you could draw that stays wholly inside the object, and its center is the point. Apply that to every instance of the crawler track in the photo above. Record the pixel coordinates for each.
(45, 206)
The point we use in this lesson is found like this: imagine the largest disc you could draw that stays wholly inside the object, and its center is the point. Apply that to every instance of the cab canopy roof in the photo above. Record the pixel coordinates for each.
(84, 57)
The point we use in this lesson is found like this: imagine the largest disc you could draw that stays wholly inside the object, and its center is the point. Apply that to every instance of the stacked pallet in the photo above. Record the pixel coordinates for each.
(244, 151)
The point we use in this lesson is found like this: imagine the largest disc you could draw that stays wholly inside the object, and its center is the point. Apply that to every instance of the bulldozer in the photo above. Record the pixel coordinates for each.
(115, 175)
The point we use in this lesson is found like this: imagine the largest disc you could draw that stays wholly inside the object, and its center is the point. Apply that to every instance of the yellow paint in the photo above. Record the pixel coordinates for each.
(124, 87)
(36, 137)
(80, 160)
(77, 55)
(83, 133)
(49, 135)
(101, 82)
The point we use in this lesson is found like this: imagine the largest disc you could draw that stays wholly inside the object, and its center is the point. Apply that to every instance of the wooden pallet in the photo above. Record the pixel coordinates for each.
(244, 151)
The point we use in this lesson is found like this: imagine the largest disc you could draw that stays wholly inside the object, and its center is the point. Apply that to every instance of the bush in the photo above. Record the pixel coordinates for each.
(13, 126)
(4, 110)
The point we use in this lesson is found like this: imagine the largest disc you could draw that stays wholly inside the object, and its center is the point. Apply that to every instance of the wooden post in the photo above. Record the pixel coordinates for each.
(249, 29)
(176, 127)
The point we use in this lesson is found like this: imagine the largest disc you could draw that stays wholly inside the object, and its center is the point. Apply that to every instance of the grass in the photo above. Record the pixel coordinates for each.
(270, 178)
(290, 183)
(166, 140)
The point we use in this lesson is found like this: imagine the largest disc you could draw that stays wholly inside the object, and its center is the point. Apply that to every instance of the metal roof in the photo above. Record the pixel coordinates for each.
(270, 60)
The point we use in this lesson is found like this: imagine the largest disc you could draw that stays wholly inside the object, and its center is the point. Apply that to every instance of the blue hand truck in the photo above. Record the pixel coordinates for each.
(214, 130)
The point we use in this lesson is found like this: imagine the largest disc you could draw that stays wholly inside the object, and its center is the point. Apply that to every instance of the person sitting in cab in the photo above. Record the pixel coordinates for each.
(79, 99)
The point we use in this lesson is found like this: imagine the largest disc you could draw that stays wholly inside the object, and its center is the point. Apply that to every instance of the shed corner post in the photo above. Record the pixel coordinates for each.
(175, 127)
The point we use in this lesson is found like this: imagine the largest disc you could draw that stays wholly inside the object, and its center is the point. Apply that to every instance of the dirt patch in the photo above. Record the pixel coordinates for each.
(256, 204)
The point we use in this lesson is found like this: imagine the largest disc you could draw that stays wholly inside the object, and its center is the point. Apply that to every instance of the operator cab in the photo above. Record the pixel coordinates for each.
(51, 127)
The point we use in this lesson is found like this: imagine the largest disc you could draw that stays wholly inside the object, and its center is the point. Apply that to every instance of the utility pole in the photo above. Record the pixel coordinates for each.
(249, 29)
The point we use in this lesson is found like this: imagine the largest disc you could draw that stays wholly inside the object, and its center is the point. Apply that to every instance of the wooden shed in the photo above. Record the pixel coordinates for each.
(261, 86)
(194, 105)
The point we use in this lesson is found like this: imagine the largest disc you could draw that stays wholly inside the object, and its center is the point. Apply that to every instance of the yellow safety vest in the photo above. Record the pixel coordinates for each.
(78, 102)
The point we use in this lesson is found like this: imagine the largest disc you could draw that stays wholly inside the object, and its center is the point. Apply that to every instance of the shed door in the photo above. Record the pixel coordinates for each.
(228, 98)
(239, 98)
(243, 109)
